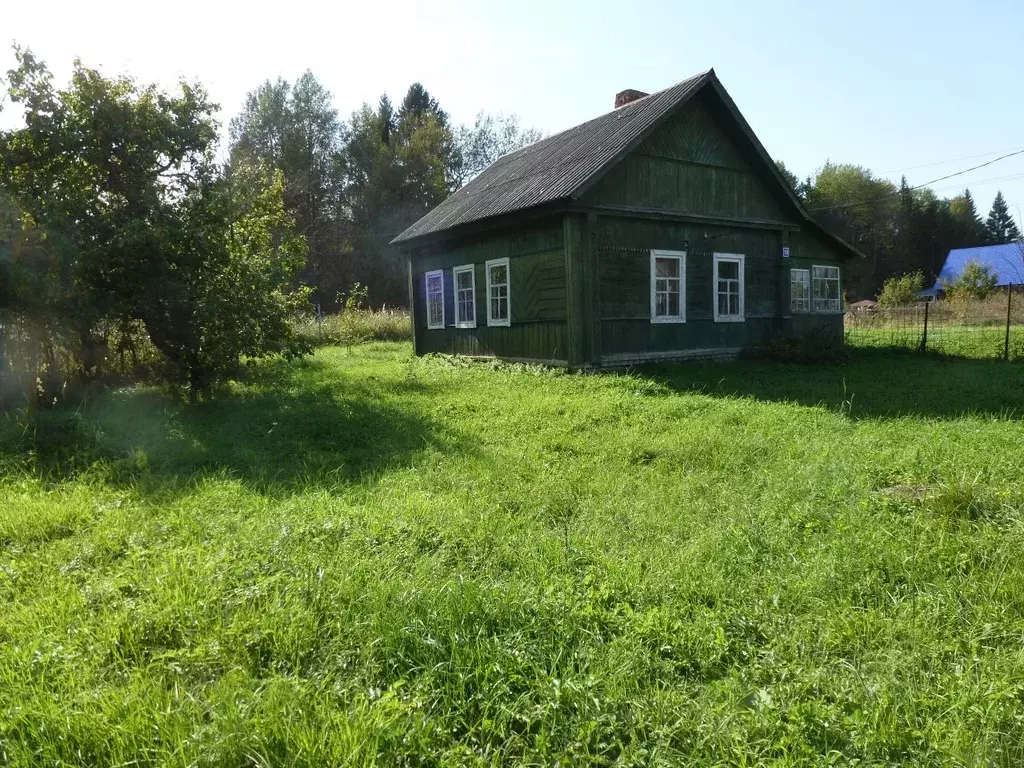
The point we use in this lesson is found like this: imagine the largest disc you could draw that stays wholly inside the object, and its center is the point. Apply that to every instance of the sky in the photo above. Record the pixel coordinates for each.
(901, 86)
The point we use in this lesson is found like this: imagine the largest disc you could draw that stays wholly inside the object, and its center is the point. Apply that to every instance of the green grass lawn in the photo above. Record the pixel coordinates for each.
(976, 342)
(368, 558)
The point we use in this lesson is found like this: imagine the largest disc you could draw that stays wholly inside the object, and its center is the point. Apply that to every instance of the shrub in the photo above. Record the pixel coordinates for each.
(901, 291)
(976, 281)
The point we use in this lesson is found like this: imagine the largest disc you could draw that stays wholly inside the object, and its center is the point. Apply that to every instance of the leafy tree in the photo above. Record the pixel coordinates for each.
(902, 230)
(263, 254)
(975, 282)
(901, 291)
(1000, 227)
(859, 207)
(490, 137)
(136, 222)
(296, 130)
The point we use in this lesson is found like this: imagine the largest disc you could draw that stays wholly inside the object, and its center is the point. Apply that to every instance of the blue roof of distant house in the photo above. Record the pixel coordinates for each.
(1005, 261)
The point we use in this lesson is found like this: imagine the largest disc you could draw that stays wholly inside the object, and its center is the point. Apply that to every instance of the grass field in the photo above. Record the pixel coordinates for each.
(368, 558)
(975, 342)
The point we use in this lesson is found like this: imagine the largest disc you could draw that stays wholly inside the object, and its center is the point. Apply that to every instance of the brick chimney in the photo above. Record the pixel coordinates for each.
(622, 98)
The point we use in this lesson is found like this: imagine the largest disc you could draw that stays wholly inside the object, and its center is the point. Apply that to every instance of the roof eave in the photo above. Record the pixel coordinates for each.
(481, 226)
(849, 251)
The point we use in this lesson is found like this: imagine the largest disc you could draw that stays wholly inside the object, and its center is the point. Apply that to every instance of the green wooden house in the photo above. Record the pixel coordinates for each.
(659, 231)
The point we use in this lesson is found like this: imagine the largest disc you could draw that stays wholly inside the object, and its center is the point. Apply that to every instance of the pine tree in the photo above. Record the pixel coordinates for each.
(1000, 227)
(904, 257)
(386, 118)
(970, 230)
(417, 104)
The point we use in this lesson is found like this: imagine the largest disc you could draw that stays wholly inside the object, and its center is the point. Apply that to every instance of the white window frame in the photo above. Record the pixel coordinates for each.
(471, 269)
(679, 256)
(491, 320)
(807, 281)
(436, 273)
(838, 310)
(740, 259)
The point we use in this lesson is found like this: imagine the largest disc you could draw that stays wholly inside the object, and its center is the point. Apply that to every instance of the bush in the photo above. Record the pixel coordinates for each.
(976, 282)
(901, 291)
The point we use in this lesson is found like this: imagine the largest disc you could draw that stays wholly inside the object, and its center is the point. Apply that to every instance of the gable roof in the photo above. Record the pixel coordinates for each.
(562, 167)
(1005, 261)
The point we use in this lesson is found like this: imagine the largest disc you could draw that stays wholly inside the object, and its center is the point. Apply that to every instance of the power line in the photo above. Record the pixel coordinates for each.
(944, 162)
(918, 186)
(980, 182)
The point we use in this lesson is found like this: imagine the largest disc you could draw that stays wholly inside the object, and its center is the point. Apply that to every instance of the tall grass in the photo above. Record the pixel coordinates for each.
(356, 326)
(372, 559)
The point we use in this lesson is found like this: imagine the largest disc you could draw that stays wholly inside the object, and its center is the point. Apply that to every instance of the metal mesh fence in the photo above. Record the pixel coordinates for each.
(991, 328)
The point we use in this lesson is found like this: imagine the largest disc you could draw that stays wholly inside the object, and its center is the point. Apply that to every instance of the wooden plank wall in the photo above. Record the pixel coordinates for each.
(623, 266)
(537, 289)
(690, 165)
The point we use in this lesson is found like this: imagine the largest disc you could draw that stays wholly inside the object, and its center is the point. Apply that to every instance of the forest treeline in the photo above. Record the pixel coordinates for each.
(900, 229)
(353, 185)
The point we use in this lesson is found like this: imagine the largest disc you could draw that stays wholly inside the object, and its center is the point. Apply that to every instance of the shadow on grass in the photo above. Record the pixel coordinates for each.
(288, 427)
(871, 384)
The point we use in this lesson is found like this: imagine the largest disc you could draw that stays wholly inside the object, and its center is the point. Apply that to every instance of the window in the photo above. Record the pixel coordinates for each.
(435, 299)
(728, 287)
(826, 290)
(497, 292)
(668, 286)
(465, 296)
(800, 290)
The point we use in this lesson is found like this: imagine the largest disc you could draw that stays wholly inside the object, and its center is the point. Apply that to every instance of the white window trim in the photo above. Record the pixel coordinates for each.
(741, 260)
(680, 256)
(839, 283)
(810, 296)
(471, 269)
(508, 291)
(426, 294)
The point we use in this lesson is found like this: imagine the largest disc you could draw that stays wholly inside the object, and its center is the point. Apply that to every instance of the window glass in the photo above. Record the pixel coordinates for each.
(728, 287)
(497, 292)
(435, 300)
(826, 289)
(800, 290)
(465, 297)
(668, 272)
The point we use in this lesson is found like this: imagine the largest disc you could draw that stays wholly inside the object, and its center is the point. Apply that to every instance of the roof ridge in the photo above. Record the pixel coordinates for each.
(616, 110)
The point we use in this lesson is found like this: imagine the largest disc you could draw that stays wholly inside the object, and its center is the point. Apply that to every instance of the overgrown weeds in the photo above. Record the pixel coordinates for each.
(356, 326)
(370, 558)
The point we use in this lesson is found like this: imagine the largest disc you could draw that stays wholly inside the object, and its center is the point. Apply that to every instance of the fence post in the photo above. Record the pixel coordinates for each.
(1009, 305)
(924, 336)
(319, 322)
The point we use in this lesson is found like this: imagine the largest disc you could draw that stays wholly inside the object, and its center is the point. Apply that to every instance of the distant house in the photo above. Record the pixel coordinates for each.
(661, 230)
(1005, 261)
